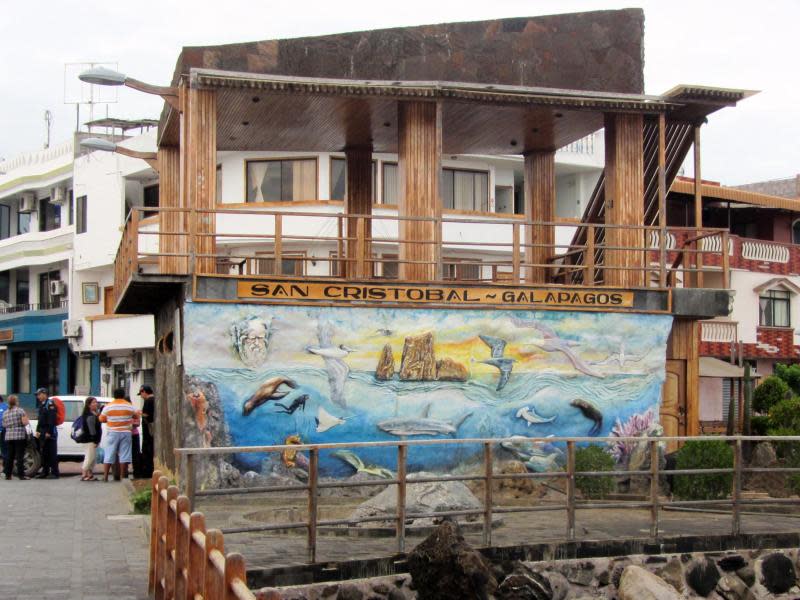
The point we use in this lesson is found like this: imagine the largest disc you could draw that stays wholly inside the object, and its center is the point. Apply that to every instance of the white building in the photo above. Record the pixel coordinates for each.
(61, 212)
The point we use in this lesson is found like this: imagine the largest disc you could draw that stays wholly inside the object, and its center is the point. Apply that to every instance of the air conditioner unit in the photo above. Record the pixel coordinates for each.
(57, 288)
(27, 202)
(58, 195)
(146, 359)
(71, 328)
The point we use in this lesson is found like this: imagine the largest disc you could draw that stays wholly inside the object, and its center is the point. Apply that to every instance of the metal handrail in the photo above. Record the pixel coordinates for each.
(402, 479)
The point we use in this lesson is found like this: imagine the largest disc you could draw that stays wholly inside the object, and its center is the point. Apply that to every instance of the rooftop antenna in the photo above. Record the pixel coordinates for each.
(84, 94)
(48, 123)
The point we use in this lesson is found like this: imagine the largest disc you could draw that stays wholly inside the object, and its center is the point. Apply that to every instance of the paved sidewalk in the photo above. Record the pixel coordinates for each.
(68, 539)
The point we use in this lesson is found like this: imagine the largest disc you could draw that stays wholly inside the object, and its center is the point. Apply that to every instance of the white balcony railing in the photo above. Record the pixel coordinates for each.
(718, 331)
(765, 252)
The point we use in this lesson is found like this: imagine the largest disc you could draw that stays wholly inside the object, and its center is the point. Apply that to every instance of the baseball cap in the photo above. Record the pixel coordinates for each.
(146, 389)
(42, 391)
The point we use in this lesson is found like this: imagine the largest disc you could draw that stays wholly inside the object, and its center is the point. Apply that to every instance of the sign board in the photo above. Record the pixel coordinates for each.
(287, 291)
(6, 335)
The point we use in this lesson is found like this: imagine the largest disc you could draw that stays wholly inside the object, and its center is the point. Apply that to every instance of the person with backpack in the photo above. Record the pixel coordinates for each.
(86, 429)
(47, 434)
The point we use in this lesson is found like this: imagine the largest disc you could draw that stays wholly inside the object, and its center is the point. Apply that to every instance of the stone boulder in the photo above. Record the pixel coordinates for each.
(444, 566)
(702, 576)
(525, 584)
(448, 369)
(637, 583)
(672, 573)
(385, 368)
(763, 455)
(777, 573)
(418, 362)
(730, 587)
(436, 496)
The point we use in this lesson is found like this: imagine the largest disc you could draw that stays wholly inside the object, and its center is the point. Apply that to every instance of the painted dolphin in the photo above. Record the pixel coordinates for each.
(422, 425)
(504, 365)
(591, 412)
(326, 420)
(299, 402)
(529, 414)
(354, 461)
(542, 463)
(524, 448)
(267, 391)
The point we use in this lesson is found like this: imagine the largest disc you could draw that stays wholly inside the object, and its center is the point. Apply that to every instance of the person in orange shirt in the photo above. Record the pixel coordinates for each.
(119, 415)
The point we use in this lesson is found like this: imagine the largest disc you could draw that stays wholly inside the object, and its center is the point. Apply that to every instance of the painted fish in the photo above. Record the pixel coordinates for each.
(542, 463)
(591, 412)
(524, 448)
(355, 461)
(326, 420)
(421, 425)
(530, 416)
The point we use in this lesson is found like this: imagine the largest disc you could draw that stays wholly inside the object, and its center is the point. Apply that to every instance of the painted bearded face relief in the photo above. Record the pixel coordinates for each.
(250, 339)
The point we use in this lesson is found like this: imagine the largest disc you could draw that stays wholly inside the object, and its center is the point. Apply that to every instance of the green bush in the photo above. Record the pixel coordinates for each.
(770, 391)
(712, 454)
(786, 415)
(790, 374)
(759, 425)
(594, 458)
(141, 502)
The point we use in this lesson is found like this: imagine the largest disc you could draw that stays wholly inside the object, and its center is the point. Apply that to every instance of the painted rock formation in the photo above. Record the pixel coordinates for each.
(385, 368)
(418, 362)
(448, 369)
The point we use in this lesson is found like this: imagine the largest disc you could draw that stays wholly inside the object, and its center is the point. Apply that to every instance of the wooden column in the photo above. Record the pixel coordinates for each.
(662, 201)
(201, 174)
(358, 201)
(419, 168)
(169, 197)
(698, 207)
(540, 205)
(624, 174)
(683, 344)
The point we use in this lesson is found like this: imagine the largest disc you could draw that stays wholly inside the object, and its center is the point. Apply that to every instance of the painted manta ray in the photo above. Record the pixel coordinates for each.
(421, 425)
(326, 420)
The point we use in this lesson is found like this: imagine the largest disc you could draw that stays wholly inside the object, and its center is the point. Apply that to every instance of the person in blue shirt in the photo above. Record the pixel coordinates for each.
(47, 434)
(3, 446)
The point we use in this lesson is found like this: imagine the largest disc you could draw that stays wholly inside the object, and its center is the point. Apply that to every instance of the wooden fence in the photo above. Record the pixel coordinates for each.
(186, 560)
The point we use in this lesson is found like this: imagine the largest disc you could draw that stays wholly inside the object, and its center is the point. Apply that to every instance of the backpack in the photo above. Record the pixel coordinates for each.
(60, 411)
(79, 434)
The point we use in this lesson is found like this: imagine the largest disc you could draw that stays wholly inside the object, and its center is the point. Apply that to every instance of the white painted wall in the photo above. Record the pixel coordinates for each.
(710, 399)
(745, 302)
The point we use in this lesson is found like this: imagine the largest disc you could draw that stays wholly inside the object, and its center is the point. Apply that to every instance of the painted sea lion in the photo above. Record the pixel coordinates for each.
(267, 391)
(299, 402)
(591, 412)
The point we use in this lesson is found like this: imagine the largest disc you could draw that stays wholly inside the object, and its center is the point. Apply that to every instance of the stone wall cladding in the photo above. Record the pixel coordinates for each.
(751, 573)
(601, 50)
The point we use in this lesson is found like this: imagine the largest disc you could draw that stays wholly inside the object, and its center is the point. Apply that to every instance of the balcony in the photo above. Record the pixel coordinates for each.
(14, 310)
(36, 248)
(244, 241)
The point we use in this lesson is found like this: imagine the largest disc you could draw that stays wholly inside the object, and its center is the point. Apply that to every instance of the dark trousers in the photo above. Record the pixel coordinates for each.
(3, 447)
(136, 456)
(49, 449)
(147, 454)
(16, 453)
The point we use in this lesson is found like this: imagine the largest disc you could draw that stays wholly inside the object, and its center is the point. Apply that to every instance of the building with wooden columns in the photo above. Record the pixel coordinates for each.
(359, 225)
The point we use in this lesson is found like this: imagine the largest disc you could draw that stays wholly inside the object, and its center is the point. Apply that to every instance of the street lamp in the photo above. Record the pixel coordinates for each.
(104, 76)
(151, 158)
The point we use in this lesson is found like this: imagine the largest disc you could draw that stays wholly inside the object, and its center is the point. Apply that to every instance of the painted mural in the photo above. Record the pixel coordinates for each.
(304, 374)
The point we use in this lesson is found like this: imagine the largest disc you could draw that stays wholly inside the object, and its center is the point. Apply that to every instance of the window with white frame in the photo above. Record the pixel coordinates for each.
(774, 308)
(281, 180)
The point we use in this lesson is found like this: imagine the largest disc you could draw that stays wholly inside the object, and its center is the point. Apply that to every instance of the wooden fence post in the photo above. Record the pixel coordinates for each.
(402, 455)
(737, 488)
(213, 581)
(161, 529)
(197, 555)
(154, 510)
(313, 470)
(172, 530)
(654, 488)
(515, 256)
(234, 571)
(190, 483)
(570, 490)
(182, 542)
(487, 494)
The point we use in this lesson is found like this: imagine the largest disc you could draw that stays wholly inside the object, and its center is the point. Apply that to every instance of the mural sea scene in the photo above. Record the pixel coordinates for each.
(329, 374)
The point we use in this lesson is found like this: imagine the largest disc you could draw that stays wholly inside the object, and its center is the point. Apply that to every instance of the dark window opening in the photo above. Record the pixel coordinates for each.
(5, 221)
(774, 309)
(22, 372)
(80, 224)
(23, 223)
(151, 200)
(49, 215)
(48, 370)
(46, 298)
(5, 286)
(22, 288)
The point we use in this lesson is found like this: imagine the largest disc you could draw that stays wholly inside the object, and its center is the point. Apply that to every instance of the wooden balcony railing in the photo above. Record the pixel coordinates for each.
(326, 243)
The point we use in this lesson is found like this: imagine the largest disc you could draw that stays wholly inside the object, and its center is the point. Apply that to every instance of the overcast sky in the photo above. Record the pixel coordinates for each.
(740, 44)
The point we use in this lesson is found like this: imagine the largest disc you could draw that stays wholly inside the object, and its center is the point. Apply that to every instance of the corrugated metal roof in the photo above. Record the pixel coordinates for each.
(736, 195)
